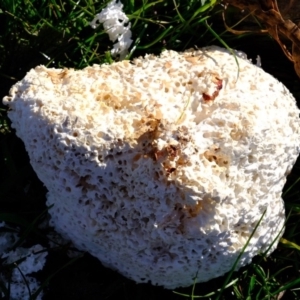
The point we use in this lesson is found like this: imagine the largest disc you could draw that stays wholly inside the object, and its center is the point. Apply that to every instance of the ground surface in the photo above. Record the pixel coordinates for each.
(21, 192)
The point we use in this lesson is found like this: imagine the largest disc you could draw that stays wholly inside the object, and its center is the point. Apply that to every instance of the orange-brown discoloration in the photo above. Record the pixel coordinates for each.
(219, 86)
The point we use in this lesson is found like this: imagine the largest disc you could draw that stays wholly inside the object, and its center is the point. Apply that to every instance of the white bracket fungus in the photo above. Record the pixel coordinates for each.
(162, 167)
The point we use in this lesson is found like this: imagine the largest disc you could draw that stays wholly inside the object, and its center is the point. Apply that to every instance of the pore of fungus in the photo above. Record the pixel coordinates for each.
(162, 167)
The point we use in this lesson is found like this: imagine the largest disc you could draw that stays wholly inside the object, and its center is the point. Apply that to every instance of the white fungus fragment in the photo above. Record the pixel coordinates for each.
(34, 262)
(7, 238)
(21, 284)
(117, 26)
(162, 167)
(258, 61)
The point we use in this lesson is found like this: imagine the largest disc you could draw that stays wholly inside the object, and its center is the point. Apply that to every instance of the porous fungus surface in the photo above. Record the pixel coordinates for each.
(162, 167)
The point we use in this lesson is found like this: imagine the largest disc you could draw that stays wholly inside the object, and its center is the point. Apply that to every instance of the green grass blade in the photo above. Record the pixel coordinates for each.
(239, 257)
(225, 45)
(289, 244)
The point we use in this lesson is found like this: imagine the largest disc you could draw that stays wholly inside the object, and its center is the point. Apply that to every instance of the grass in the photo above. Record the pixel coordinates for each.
(58, 34)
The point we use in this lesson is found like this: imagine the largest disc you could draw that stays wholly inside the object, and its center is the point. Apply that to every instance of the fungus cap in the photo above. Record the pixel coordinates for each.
(162, 167)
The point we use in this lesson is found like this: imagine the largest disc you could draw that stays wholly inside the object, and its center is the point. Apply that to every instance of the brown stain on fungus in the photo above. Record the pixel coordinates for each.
(219, 86)
(168, 64)
(193, 210)
(56, 77)
(193, 59)
(215, 155)
(172, 151)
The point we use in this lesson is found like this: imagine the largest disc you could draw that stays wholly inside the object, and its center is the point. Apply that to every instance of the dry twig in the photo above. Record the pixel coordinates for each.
(267, 11)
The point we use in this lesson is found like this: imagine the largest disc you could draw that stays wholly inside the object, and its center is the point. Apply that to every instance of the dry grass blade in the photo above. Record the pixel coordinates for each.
(237, 32)
(268, 12)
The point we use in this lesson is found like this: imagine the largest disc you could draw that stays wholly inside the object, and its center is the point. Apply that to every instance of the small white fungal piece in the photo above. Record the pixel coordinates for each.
(162, 167)
(7, 238)
(258, 61)
(20, 280)
(117, 25)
